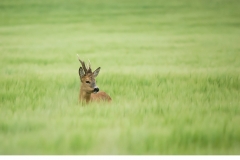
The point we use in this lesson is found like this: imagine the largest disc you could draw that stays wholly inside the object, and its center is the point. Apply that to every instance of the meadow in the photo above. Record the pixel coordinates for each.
(171, 67)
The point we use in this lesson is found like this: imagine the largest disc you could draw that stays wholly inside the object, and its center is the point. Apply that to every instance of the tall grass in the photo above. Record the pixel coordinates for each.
(171, 68)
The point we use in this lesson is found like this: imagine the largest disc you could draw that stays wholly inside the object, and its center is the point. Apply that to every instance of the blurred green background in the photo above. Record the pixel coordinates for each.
(171, 67)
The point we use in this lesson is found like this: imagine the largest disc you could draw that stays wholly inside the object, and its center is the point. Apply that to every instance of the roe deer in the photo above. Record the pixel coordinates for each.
(89, 91)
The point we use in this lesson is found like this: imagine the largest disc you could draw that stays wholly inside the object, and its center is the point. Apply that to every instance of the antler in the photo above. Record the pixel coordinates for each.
(84, 66)
(89, 65)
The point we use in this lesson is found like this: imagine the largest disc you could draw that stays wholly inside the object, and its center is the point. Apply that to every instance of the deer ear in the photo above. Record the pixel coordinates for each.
(81, 72)
(95, 73)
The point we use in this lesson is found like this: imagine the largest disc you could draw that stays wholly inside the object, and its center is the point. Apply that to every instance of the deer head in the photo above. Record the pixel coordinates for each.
(87, 78)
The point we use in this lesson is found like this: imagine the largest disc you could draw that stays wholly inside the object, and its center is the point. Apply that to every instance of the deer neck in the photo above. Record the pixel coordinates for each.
(84, 96)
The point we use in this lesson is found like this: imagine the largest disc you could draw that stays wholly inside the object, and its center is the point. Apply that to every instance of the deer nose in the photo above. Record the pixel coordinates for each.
(96, 89)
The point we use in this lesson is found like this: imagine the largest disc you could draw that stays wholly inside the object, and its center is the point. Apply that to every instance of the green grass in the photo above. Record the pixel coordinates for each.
(171, 67)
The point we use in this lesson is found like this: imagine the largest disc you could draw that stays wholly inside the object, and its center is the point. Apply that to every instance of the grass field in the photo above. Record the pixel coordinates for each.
(171, 67)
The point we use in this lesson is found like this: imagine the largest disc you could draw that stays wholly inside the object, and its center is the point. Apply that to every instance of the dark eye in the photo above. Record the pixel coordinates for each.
(87, 81)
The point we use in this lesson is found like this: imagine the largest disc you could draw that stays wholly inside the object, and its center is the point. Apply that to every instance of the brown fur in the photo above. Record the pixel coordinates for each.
(100, 96)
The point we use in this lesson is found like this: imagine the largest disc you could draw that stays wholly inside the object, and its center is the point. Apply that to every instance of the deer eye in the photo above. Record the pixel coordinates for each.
(87, 81)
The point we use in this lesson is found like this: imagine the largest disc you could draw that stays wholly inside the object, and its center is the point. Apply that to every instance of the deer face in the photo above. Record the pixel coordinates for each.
(87, 78)
(88, 81)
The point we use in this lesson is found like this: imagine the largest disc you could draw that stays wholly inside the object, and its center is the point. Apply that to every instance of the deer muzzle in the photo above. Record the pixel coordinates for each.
(96, 89)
